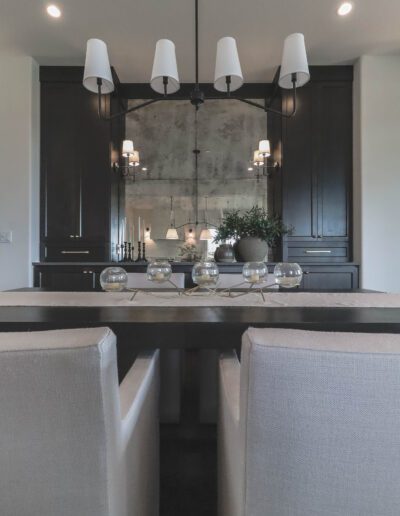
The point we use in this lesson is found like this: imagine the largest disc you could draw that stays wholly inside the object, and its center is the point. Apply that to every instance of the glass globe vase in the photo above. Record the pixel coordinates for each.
(113, 279)
(159, 271)
(255, 272)
(288, 275)
(205, 274)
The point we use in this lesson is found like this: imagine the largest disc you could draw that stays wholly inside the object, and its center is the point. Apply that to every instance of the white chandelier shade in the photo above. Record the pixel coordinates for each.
(206, 234)
(97, 66)
(134, 160)
(127, 148)
(172, 234)
(294, 61)
(227, 64)
(258, 158)
(164, 65)
(264, 148)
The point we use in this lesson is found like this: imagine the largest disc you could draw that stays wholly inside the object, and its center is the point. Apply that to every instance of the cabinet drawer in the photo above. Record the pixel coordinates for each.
(65, 253)
(318, 253)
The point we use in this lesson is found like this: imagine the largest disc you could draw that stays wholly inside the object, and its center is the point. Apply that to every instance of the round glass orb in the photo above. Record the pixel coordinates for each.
(113, 279)
(255, 272)
(205, 274)
(288, 275)
(159, 271)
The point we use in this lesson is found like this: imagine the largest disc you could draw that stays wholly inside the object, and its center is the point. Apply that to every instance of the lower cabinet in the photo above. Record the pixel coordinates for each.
(330, 278)
(83, 280)
(80, 277)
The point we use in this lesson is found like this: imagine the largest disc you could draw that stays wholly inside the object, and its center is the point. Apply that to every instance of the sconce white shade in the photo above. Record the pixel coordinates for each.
(206, 234)
(264, 148)
(294, 60)
(127, 148)
(134, 160)
(227, 64)
(258, 159)
(97, 66)
(172, 234)
(164, 65)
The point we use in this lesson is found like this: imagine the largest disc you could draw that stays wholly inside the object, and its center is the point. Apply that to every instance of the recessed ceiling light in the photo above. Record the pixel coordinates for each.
(345, 8)
(144, 169)
(53, 11)
(250, 169)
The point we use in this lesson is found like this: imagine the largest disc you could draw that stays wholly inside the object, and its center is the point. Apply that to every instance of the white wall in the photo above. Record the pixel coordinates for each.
(377, 171)
(19, 168)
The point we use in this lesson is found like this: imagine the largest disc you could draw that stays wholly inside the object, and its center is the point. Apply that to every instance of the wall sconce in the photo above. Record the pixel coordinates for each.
(260, 159)
(127, 148)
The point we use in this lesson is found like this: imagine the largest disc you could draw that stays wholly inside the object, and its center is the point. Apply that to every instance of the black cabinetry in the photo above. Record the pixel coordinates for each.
(79, 188)
(315, 151)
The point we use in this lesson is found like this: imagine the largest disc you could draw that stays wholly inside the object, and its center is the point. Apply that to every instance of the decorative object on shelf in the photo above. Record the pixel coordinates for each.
(144, 259)
(205, 275)
(255, 272)
(288, 275)
(159, 271)
(172, 233)
(113, 279)
(139, 256)
(224, 253)
(189, 252)
(228, 76)
(253, 231)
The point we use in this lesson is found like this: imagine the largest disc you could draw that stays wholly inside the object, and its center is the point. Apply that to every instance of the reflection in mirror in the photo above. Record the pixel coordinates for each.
(228, 132)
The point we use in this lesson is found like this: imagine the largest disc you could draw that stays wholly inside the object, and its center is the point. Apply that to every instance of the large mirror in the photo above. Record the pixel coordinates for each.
(228, 132)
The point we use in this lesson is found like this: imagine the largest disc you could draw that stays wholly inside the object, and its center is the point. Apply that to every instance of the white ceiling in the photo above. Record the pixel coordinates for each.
(132, 27)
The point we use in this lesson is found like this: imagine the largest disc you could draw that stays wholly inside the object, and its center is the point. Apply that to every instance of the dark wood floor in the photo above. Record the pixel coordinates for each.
(188, 456)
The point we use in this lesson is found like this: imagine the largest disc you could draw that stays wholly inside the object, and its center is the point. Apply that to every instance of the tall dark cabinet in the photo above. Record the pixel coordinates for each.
(315, 150)
(80, 191)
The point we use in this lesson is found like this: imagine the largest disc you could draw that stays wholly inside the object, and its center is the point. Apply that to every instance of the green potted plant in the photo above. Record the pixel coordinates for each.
(253, 231)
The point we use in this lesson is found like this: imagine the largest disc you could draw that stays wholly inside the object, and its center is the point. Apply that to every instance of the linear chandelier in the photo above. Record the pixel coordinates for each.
(228, 76)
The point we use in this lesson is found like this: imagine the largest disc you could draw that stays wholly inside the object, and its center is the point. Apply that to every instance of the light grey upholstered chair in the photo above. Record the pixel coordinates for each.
(73, 442)
(310, 425)
(170, 360)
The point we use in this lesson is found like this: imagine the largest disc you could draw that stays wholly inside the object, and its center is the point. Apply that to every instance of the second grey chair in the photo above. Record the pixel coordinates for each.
(309, 425)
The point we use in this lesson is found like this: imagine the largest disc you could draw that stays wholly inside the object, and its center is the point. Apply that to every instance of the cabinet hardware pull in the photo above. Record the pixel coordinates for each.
(75, 252)
(308, 251)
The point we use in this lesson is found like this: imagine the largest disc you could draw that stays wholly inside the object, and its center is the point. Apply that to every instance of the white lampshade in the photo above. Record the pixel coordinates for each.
(258, 159)
(227, 63)
(134, 160)
(294, 60)
(264, 148)
(172, 234)
(97, 66)
(164, 65)
(127, 148)
(206, 234)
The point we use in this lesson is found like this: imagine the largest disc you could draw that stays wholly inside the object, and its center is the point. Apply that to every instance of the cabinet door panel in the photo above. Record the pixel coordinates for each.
(334, 158)
(94, 152)
(68, 281)
(297, 175)
(60, 162)
(328, 280)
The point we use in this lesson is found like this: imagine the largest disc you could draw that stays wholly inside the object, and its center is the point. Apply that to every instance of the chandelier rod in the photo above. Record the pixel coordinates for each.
(196, 23)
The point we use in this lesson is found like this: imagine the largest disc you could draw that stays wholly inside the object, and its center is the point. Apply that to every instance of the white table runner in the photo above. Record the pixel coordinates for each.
(169, 299)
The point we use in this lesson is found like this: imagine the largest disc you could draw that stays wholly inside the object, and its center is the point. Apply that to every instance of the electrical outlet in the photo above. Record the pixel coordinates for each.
(5, 237)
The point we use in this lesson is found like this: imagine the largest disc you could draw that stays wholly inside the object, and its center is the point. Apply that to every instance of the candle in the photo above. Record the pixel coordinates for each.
(139, 229)
(255, 278)
(159, 276)
(123, 231)
(132, 233)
